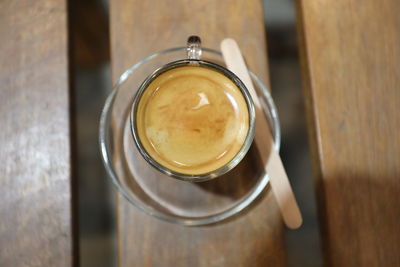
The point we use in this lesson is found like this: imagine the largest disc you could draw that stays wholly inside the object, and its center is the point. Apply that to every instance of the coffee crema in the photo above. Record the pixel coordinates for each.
(192, 120)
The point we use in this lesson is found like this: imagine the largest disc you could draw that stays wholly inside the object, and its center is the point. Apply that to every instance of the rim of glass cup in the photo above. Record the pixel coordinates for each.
(204, 176)
(104, 142)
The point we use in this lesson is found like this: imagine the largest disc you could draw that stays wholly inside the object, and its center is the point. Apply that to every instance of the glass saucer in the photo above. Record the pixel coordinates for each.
(159, 195)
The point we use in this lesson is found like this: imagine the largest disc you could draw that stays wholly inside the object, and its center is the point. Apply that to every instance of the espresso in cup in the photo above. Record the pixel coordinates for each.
(192, 120)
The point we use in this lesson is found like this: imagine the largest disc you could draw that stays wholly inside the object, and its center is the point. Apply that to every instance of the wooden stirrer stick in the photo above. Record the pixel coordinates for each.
(270, 157)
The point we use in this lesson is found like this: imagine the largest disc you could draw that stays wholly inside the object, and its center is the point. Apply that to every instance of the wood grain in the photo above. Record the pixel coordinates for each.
(35, 206)
(351, 54)
(141, 28)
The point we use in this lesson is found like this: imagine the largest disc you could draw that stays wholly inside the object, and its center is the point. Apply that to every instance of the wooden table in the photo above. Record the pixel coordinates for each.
(139, 29)
(351, 55)
(350, 52)
(35, 184)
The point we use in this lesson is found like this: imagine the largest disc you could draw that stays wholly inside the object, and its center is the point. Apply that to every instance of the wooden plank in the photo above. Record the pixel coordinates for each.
(351, 53)
(141, 28)
(35, 206)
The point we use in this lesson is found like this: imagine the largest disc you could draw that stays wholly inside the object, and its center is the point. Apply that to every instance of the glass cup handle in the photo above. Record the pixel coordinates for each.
(194, 47)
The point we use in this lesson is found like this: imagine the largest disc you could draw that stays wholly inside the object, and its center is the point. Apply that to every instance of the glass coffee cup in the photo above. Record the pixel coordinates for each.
(192, 119)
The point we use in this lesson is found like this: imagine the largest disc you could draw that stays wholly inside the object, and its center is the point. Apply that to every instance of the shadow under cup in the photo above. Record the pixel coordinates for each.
(193, 120)
(157, 194)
